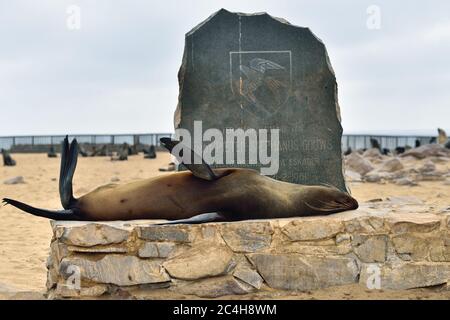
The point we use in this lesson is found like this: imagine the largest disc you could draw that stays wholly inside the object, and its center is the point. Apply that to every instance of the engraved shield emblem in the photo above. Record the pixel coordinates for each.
(261, 80)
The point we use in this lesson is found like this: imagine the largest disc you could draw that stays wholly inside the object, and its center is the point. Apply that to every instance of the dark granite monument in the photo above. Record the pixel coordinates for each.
(255, 71)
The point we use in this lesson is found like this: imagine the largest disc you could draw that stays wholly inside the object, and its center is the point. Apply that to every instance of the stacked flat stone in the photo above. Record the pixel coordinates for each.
(136, 258)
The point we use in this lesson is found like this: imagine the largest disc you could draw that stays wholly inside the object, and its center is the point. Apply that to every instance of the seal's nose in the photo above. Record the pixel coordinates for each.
(352, 203)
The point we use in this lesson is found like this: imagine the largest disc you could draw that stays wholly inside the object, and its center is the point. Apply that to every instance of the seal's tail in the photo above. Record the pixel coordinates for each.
(69, 156)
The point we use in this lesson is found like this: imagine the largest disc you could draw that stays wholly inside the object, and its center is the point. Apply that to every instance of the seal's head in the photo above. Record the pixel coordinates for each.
(327, 199)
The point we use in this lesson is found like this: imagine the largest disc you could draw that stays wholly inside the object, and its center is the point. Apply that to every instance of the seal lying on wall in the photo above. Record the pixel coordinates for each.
(200, 195)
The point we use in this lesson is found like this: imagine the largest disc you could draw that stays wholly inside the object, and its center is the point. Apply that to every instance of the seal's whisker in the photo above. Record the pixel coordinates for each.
(332, 204)
(323, 209)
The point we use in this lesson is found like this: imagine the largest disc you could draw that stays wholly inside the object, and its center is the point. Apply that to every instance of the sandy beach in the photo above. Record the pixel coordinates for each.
(22, 267)
(24, 239)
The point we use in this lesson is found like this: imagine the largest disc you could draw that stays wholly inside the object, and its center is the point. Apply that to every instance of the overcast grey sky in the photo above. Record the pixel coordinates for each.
(118, 73)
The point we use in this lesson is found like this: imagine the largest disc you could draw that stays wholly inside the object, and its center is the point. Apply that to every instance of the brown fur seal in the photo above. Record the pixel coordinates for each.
(7, 160)
(442, 136)
(51, 153)
(198, 196)
(151, 153)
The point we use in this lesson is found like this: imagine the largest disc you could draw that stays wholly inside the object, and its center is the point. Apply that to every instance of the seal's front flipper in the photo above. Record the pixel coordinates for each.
(201, 218)
(197, 165)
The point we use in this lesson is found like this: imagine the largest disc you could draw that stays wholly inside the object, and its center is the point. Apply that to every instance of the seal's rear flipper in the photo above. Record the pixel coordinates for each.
(201, 218)
(198, 166)
(55, 215)
(69, 157)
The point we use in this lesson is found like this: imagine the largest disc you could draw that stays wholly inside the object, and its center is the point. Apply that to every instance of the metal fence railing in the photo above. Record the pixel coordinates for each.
(360, 141)
(36, 143)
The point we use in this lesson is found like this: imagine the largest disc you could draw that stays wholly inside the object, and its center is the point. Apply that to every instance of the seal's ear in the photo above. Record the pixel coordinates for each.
(198, 167)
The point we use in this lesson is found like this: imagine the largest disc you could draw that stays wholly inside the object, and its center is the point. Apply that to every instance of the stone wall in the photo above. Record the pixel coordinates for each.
(217, 259)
